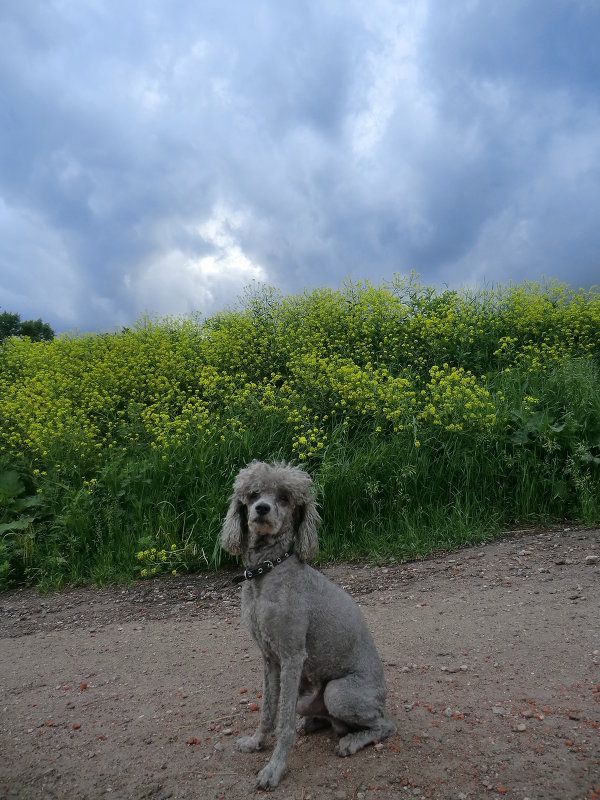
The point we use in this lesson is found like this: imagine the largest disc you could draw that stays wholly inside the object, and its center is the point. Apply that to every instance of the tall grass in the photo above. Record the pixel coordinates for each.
(428, 420)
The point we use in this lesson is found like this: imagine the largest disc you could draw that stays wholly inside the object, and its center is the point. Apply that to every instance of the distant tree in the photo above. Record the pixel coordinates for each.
(10, 325)
(35, 329)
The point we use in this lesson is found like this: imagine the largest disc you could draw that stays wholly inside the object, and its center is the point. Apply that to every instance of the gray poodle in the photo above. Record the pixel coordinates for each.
(319, 658)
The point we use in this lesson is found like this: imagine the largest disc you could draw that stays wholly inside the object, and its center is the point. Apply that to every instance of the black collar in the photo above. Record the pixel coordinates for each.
(260, 569)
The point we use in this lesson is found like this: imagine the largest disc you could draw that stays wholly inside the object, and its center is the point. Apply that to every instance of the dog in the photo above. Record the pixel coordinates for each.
(319, 657)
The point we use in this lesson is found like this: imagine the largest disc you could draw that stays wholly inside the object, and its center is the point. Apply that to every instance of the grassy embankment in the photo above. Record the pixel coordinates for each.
(428, 420)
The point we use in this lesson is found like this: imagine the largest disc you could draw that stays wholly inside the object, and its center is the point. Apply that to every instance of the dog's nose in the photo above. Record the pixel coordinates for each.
(262, 509)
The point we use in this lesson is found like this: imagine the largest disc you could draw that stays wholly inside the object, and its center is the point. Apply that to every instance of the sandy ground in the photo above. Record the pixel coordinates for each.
(492, 665)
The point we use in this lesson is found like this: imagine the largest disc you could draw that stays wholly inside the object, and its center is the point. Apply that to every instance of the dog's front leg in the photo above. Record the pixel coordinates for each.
(291, 670)
(268, 714)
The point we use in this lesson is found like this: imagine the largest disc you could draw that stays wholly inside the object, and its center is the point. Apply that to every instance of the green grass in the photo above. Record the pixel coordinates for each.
(428, 422)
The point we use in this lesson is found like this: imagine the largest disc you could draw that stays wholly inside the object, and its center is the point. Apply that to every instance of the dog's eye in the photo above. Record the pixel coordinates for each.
(253, 495)
(283, 498)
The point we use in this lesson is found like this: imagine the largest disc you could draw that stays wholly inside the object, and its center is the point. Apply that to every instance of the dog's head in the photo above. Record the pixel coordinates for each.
(272, 500)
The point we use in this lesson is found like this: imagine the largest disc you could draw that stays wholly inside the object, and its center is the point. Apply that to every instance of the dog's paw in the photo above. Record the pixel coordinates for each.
(269, 777)
(347, 746)
(248, 744)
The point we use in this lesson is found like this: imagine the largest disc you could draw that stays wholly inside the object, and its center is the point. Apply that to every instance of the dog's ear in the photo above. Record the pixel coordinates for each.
(306, 533)
(235, 527)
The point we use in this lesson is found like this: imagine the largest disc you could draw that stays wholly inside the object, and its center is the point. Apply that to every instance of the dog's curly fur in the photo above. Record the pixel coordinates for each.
(319, 657)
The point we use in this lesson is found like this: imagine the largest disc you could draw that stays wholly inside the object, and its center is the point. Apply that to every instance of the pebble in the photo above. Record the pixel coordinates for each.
(590, 560)
(227, 731)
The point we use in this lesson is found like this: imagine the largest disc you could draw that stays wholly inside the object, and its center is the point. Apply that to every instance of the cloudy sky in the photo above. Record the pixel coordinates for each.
(159, 155)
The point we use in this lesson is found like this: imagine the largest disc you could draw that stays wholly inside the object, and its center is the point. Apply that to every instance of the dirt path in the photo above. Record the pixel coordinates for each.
(491, 656)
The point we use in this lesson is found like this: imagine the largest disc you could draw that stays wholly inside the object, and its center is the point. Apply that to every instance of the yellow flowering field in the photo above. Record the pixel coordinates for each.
(425, 417)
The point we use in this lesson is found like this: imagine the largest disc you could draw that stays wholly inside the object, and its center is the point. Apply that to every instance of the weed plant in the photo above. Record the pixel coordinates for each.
(428, 420)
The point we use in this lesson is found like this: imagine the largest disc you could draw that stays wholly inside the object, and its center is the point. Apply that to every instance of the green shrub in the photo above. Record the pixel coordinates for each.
(426, 419)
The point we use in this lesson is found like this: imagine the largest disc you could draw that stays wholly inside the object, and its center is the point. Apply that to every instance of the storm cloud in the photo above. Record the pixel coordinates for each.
(158, 156)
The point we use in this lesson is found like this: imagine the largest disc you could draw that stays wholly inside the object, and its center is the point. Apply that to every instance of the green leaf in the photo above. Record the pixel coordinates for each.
(536, 422)
(10, 483)
(557, 427)
(589, 458)
(18, 525)
(32, 501)
(520, 437)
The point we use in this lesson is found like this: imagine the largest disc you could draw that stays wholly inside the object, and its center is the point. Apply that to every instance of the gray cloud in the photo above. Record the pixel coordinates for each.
(159, 156)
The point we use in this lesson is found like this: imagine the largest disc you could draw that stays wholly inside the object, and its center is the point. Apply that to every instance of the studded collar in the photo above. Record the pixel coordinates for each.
(257, 571)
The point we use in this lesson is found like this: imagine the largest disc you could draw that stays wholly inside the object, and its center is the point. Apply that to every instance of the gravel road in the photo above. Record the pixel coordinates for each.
(492, 664)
